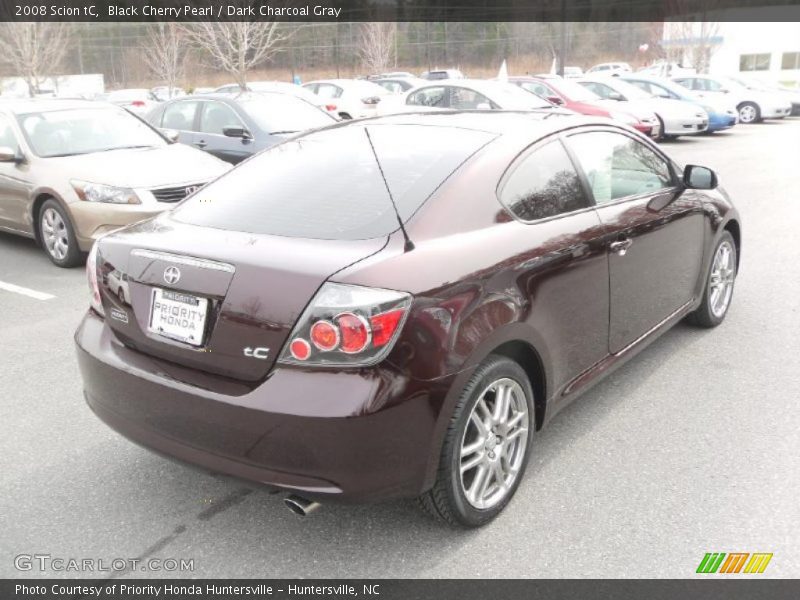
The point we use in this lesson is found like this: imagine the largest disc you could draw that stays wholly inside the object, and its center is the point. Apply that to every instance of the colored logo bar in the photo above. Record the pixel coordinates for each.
(734, 562)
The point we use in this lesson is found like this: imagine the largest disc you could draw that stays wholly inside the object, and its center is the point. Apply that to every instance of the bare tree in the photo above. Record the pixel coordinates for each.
(33, 50)
(691, 36)
(377, 45)
(165, 53)
(237, 47)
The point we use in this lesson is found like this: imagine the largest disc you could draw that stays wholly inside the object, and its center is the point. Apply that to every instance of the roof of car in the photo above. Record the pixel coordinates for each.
(26, 105)
(500, 122)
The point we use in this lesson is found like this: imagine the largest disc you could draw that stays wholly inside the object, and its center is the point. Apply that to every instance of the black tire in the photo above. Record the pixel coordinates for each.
(73, 256)
(345, 116)
(704, 315)
(446, 500)
(752, 108)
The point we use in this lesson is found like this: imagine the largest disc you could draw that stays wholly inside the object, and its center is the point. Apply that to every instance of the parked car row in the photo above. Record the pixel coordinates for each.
(91, 167)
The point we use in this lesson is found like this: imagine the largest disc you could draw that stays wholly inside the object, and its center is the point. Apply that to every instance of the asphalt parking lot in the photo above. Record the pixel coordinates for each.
(692, 447)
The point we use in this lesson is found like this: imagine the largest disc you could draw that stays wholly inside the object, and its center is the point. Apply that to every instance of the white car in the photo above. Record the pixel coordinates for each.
(610, 68)
(753, 104)
(463, 94)
(273, 86)
(348, 98)
(676, 116)
(438, 74)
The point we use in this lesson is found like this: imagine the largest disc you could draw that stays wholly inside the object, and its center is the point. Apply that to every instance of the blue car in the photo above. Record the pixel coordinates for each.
(722, 113)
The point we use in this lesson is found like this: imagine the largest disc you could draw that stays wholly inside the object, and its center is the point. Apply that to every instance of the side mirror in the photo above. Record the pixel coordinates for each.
(614, 96)
(699, 178)
(172, 135)
(237, 132)
(8, 155)
(555, 100)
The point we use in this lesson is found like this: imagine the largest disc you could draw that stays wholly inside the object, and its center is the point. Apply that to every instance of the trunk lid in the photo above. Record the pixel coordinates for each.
(254, 288)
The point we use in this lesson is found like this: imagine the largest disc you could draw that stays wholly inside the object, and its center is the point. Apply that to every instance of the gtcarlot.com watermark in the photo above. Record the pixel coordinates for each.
(61, 564)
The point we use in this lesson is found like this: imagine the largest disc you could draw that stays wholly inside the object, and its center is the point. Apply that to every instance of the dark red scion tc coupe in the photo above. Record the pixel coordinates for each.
(393, 307)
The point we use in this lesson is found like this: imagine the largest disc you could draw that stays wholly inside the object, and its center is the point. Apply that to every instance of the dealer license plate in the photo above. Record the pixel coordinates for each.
(178, 316)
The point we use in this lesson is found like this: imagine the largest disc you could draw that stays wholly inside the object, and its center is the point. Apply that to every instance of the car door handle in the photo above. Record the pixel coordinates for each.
(201, 144)
(621, 246)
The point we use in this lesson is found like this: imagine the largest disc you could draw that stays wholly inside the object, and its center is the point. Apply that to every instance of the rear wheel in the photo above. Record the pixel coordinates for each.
(58, 236)
(718, 291)
(486, 446)
(661, 135)
(749, 112)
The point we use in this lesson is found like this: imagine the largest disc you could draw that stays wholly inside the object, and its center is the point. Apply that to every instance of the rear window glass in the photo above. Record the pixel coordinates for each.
(327, 185)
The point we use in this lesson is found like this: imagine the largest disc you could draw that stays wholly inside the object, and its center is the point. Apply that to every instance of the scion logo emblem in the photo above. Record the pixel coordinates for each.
(172, 275)
(191, 189)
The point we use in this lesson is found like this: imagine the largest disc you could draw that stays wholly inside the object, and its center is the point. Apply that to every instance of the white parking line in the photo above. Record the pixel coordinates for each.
(10, 287)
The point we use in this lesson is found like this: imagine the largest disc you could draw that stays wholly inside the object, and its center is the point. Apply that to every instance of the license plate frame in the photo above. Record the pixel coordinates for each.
(178, 316)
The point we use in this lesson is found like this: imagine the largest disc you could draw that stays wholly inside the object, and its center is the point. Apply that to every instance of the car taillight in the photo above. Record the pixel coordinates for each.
(91, 275)
(330, 107)
(347, 325)
(138, 103)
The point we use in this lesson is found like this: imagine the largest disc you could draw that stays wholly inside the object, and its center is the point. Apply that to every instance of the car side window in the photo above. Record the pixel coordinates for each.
(180, 115)
(432, 96)
(328, 91)
(600, 89)
(712, 86)
(7, 137)
(467, 99)
(216, 116)
(392, 86)
(618, 166)
(543, 184)
(537, 88)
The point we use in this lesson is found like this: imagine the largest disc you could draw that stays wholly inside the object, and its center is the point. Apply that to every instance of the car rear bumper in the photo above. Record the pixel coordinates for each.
(348, 435)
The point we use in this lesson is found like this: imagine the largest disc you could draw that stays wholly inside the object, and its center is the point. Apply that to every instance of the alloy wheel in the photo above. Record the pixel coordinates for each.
(747, 114)
(54, 234)
(493, 444)
(723, 273)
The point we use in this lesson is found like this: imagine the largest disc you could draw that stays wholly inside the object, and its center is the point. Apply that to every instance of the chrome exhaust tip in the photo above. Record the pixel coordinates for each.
(300, 506)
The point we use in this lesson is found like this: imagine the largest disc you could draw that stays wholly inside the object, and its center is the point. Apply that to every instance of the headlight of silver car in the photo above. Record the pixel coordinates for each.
(98, 192)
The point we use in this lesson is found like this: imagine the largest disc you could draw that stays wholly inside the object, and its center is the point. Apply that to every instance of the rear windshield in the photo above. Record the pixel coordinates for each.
(327, 185)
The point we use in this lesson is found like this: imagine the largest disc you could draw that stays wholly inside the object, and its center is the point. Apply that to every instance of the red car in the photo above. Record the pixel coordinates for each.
(573, 96)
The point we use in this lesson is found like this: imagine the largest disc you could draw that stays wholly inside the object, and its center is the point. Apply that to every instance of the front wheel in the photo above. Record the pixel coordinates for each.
(486, 446)
(58, 236)
(718, 290)
(749, 113)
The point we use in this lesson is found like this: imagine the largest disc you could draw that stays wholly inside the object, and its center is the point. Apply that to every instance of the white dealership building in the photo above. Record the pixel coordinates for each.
(767, 50)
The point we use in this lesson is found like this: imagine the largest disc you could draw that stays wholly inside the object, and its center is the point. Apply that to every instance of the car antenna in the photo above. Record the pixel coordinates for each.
(409, 244)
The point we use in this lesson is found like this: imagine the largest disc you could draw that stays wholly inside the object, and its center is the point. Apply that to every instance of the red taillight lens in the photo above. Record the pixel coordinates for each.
(300, 349)
(384, 325)
(355, 332)
(138, 103)
(325, 336)
(330, 107)
(347, 325)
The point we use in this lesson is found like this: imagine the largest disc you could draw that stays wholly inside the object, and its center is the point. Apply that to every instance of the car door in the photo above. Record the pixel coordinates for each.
(14, 183)
(215, 117)
(563, 269)
(181, 116)
(654, 232)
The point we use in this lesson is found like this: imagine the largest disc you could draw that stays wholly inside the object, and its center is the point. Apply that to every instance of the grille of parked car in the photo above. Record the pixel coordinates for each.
(175, 194)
